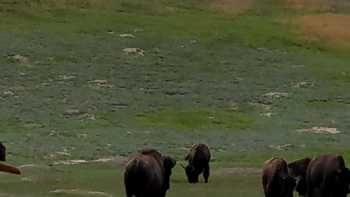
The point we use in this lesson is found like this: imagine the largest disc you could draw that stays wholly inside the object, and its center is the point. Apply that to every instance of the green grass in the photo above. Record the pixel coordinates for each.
(195, 119)
(205, 78)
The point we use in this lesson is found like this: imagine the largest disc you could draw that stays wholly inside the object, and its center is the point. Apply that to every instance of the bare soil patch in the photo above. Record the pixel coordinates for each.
(81, 192)
(321, 130)
(310, 5)
(119, 160)
(332, 28)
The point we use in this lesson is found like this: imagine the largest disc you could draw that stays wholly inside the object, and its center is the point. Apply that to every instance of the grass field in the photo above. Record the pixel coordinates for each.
(85, 79)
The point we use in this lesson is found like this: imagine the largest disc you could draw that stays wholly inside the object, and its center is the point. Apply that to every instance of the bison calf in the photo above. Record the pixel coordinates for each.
(275, 179)
(148, 174)
(198, 161)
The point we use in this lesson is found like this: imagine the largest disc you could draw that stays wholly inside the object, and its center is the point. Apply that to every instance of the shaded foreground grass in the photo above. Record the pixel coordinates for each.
(106, 179)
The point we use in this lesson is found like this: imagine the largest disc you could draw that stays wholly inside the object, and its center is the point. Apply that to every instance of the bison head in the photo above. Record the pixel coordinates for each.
(343, 182)
(2, 152)
(168, 163)
(287, 186)
(192, 174)
(297, 170)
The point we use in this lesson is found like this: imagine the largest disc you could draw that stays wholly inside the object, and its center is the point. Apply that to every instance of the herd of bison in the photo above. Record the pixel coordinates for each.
(148, 174)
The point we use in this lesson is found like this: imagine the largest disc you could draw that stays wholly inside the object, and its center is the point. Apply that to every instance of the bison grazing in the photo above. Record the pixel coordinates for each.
(198, 161)
(297, 169)
(148, 174)
(4, 167)
(275, 179)
(327, 176)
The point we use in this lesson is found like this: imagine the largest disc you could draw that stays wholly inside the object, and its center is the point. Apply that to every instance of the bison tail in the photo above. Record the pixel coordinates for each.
(9, 169)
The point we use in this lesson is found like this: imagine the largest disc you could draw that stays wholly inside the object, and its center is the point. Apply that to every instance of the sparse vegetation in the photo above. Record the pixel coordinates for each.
(245, 82)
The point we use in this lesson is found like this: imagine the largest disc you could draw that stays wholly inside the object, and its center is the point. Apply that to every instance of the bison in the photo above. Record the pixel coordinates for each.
(2, 152)
(5, 167)
(276, 180)
(148, 174)
(198, 161)
(327, 176)
(297, 169)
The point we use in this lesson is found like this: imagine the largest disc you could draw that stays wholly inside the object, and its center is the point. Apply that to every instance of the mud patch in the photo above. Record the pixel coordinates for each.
(232, 6)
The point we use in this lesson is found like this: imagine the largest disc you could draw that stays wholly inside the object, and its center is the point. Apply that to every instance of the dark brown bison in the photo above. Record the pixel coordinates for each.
(2, 152)
(297, 169)
(148, 174)
(276, 180)
(327, 176)
(198, 161)
(5, 167)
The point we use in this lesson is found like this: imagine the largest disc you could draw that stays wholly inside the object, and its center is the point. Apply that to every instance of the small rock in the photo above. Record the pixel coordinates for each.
(281, 147)
(100, 83)
(20, 59)
(126, 36)
(193, 41)
(302, 84)
(321, 130)
(67, 77)
(72, 112)
(26, 179)
(63, 153)
(8, 93)
(268, 114)
(134, 51)
(276, 94)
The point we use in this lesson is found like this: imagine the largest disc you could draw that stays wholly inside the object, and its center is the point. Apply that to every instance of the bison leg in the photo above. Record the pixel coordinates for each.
(129, 193)
(129, 190)
(206, 173)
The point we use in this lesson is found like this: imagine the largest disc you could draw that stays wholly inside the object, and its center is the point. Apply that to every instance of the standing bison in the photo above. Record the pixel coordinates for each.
(327, 176)
(148, 174)
(198, 161)
(297, 169)
(2, 152)
(5, 167)
(276, 180)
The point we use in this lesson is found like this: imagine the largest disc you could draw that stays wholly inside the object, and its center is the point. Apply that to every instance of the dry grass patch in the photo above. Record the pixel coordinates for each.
(318, 5)
(310, 5)
(232, 6)
(332, 28)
